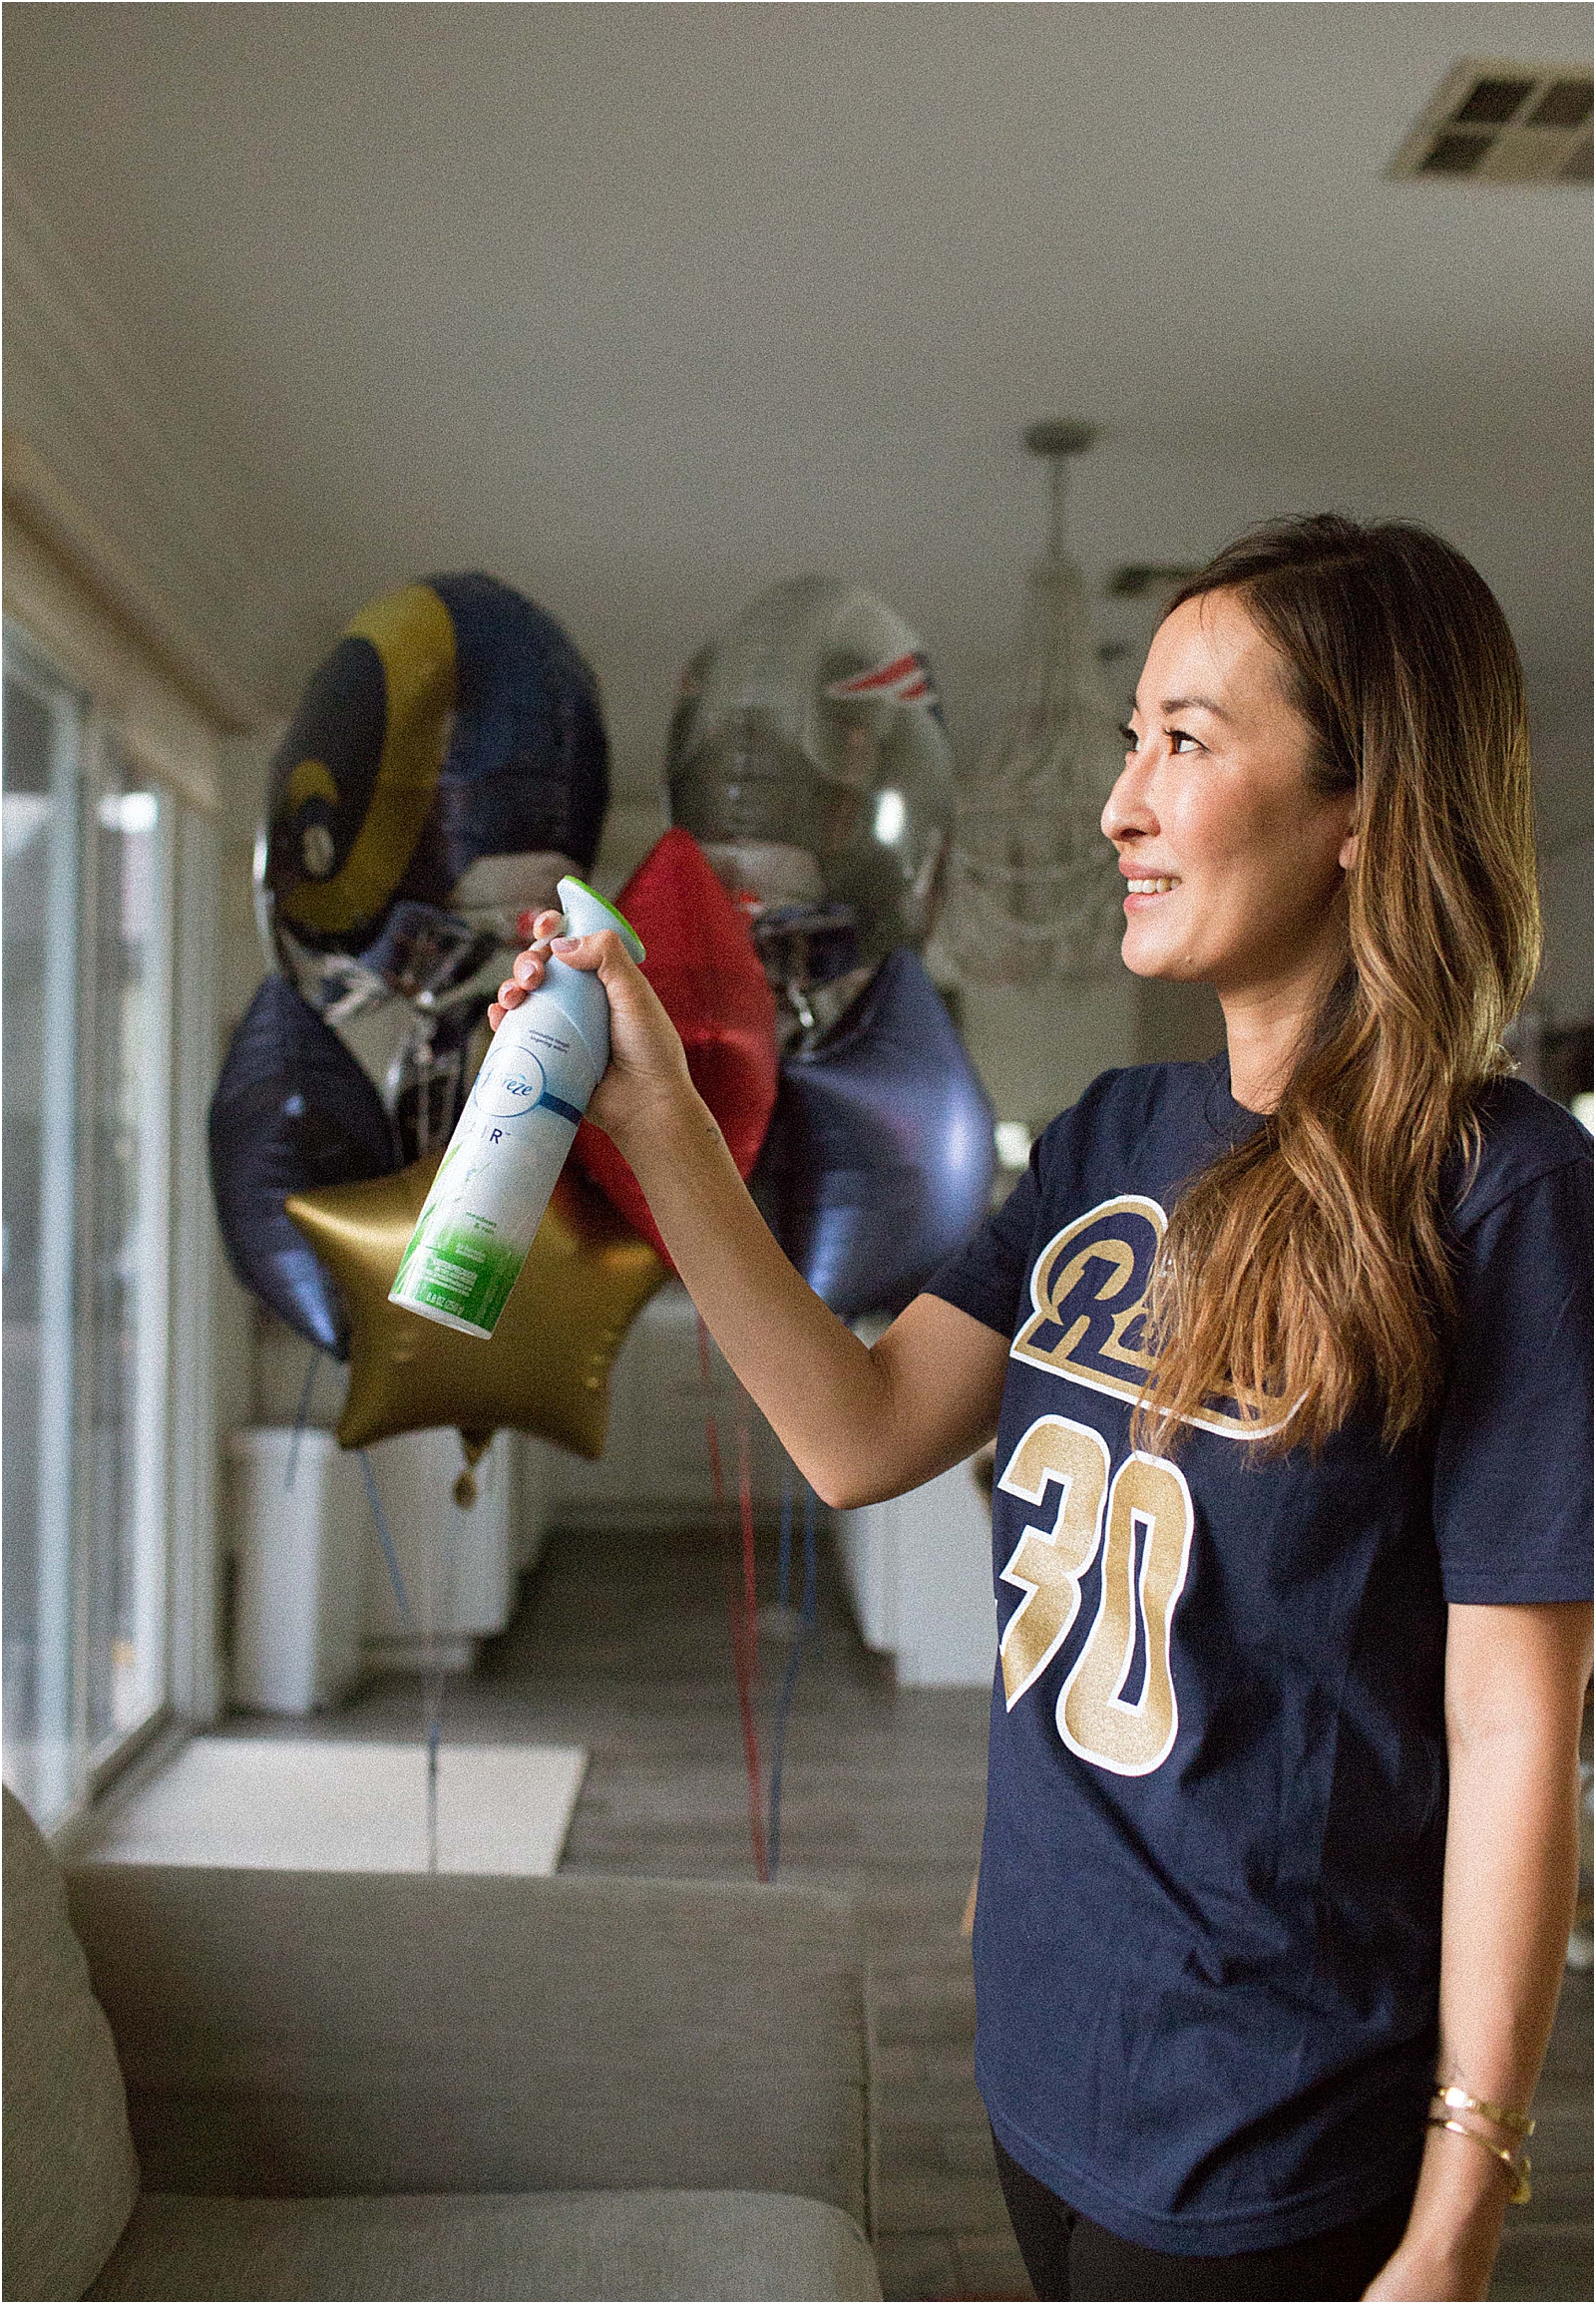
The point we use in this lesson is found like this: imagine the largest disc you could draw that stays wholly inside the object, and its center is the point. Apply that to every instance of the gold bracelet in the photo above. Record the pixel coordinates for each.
(1459, 2101)
(1515, 2164)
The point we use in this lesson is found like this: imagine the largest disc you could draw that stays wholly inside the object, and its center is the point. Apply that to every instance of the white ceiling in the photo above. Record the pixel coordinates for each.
(646, 307)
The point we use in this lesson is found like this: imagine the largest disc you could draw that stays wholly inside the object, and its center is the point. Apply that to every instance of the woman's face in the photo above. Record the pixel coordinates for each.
(1233, 864)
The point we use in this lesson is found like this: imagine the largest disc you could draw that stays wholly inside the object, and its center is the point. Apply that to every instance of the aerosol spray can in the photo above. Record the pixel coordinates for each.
(509, 1144)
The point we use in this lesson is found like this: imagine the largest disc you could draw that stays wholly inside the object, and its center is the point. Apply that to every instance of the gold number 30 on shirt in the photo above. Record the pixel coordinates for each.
(1147, 1500)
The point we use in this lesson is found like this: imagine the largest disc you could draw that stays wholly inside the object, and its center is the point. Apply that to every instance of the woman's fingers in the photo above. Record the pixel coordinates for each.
(640, 1028)
(600, 950)
(527, 968)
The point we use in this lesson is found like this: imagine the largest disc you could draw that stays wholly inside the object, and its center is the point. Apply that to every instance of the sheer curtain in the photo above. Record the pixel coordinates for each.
(88, 930)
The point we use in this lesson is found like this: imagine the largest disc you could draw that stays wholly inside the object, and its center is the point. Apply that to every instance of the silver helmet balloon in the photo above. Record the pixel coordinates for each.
(809, 758)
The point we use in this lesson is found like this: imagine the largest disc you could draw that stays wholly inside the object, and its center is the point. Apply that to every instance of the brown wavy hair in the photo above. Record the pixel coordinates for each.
(1304, 1271)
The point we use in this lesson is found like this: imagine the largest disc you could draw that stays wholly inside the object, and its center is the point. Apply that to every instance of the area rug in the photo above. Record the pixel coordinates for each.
(327, 1805)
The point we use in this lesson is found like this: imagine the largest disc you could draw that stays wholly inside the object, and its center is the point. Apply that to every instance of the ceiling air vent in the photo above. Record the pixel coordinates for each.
(1500, 122)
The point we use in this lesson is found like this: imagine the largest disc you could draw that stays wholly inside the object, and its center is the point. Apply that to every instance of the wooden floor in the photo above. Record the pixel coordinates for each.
(620, 1645)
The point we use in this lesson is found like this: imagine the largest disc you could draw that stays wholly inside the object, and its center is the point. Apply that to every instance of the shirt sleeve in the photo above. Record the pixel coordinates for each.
(1512, 1490)
(986, 1278)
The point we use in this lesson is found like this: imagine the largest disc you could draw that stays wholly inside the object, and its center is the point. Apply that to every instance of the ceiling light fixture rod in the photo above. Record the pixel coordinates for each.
(1057, 438)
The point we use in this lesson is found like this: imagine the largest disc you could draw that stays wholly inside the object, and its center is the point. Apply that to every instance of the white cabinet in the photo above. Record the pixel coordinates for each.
(919, 1570)
(301, 1525)
(316, 1601)
(459, 1564)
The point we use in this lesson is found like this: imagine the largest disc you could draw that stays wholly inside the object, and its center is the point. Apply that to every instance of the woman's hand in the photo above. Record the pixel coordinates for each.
(647, 1073)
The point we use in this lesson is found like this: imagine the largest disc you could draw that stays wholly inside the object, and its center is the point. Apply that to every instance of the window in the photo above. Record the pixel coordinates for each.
(89, 945)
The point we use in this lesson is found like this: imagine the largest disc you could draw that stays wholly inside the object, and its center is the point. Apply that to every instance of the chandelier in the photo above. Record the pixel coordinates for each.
(1032, 889)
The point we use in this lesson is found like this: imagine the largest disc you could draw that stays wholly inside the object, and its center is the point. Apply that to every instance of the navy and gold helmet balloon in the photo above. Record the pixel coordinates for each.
(809, 758)
(453, 730)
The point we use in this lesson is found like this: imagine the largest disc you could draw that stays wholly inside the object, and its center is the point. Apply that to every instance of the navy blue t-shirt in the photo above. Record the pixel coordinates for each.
(1207, 1937)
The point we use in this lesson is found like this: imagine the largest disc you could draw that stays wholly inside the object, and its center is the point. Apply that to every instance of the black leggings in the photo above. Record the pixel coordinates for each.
(1067, 2256)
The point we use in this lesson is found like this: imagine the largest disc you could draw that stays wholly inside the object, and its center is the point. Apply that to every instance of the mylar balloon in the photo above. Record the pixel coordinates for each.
(703, 963)
(810, 759)
(292, 1110)
(450, 751)
(879, 1160)
(544, 1369)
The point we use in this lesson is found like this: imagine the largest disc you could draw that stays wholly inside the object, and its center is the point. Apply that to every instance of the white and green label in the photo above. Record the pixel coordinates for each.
(509, 1144)
(453, 1264)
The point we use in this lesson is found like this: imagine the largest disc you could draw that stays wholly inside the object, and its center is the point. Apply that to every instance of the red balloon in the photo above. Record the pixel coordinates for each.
(703, 963)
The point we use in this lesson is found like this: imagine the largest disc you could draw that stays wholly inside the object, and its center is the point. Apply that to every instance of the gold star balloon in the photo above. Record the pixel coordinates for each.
(544, 1369)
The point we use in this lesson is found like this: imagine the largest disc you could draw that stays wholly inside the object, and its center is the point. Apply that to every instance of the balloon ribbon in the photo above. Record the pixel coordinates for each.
(741, 1607)
(301, 1416)
(784, 1557)
(432, 1695)
(385, 1539)
(807, 1618)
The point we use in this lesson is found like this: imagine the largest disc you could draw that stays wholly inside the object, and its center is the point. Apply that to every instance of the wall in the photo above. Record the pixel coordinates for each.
(1559, 736)
(1565, 891)
(1036, 1048)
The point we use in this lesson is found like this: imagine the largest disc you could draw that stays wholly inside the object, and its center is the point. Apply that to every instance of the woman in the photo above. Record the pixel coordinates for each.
(1286, 1357)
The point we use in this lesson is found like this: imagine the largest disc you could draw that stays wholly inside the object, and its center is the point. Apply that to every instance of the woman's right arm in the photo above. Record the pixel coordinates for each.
(860, 1422)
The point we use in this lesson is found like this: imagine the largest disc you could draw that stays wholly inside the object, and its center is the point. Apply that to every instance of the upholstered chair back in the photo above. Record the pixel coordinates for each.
(70, 2172)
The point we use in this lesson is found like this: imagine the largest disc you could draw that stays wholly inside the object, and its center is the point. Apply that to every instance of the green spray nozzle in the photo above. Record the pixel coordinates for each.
(587, 913)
